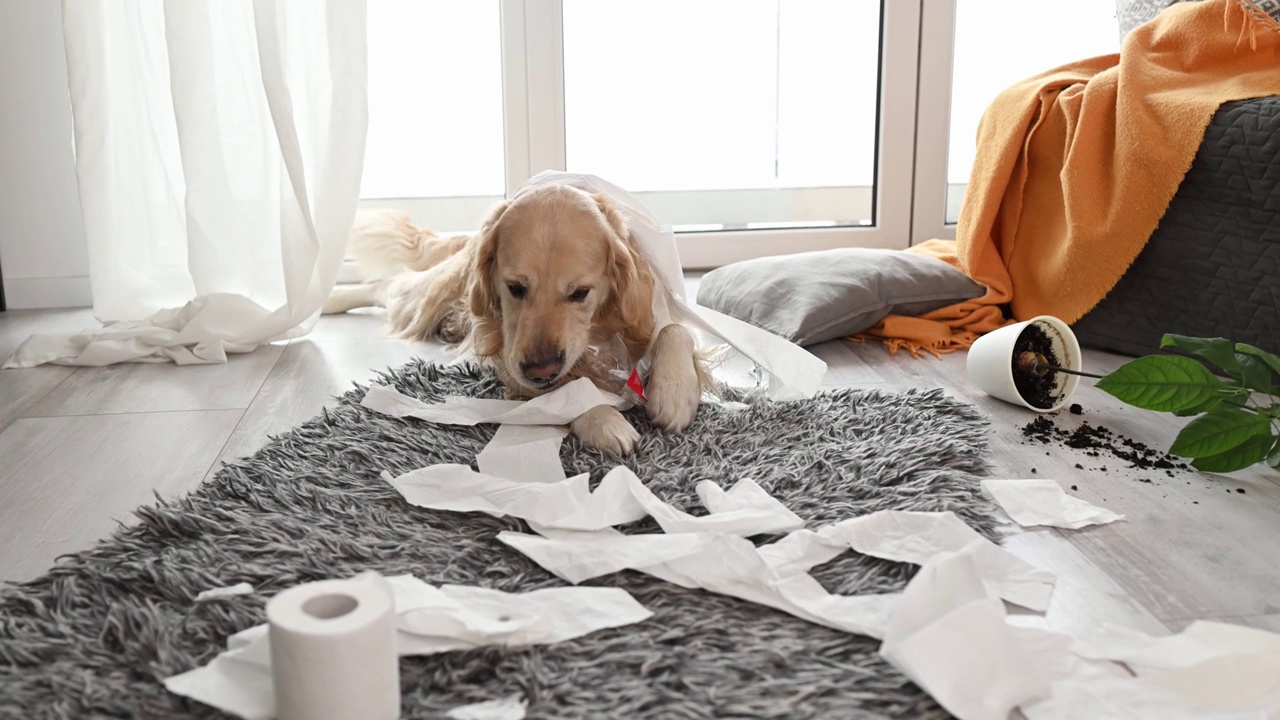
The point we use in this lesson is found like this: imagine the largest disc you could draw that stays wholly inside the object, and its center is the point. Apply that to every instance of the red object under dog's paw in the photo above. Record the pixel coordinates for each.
(636, 385)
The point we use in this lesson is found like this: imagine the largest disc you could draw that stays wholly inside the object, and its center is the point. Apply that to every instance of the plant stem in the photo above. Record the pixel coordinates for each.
(1037, 364)
(1074, 372)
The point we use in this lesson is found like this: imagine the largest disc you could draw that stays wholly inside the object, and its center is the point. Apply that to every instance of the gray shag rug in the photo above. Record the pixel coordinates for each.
(95, 636)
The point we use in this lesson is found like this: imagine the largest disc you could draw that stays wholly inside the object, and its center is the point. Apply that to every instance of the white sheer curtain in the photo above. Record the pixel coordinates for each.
(219, 147)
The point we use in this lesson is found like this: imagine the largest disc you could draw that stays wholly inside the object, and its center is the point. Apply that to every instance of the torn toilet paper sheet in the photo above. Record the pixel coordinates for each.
(1200, 642)
(243, 588)
(719, 563)
(430, 620)
(776, 574)
(558, 407)
(1210, 666)
(576, 556)
(917, 537)
(745, 509)
(452, 411)
(1230, 684)
(793, 371)
(1200, 691)
(470, 617)
(950, 638)
(569, 504)
(902, 535)
(508, 708)
(947, 611)
(621, 497)
(528, 453)
(1042, 502)
(232, 682)
(746, 494)
(733, 566)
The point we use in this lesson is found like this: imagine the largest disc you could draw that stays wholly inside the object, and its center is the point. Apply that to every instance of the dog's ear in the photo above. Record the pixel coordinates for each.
(630, 305)
(484, 302)
(486, 312)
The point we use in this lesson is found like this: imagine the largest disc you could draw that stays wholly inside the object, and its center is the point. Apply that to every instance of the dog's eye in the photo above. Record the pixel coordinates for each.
(517, 290)
(579, 295)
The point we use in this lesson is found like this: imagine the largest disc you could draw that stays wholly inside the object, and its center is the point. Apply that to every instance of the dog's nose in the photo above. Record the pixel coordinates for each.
(544, 368)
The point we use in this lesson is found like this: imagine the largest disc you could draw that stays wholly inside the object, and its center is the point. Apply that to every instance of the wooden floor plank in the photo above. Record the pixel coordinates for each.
(1270, 623)
(1264, 622)
(16, 326)
(1084, 596)
(66, 481)
(22, 389)
(846, 368)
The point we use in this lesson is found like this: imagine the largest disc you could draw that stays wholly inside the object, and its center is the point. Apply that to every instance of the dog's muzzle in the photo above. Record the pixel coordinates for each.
(543, 369)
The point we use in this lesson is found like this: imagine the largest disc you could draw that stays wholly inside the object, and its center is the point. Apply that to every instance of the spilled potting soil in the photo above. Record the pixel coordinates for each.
(1100, 442)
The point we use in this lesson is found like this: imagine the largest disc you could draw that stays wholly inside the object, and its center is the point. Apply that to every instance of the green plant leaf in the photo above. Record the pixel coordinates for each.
(1218, 351)
(1219, 431)
(1167, 383)
(1252, 450)
(1267, 358)
(1254, 373)
(1274, 459)
(1204, 407)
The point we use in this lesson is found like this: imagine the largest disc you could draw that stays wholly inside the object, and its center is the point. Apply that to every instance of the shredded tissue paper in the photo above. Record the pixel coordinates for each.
(320, 673)
(509, 708)
(947, 631)
(526, 445)
(929, 632)
(223, 592)
(1044, 502)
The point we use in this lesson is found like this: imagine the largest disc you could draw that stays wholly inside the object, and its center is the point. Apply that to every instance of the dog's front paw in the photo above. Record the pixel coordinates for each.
(674, 390)
(606, 430)
(453, 326)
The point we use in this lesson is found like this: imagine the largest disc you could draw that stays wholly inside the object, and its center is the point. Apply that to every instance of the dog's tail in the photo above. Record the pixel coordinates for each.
(385, 243)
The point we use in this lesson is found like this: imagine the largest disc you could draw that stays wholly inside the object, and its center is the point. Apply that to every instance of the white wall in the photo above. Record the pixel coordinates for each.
(42, 246)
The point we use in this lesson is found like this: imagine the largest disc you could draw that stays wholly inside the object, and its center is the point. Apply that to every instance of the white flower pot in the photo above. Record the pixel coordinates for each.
(991, 361)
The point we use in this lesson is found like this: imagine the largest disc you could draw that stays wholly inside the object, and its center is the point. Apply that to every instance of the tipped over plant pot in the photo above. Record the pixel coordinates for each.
(1033, 363)
(1231, 389)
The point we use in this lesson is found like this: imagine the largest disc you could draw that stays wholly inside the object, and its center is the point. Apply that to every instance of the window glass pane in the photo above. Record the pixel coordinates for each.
(727, 113)
(1000, 42)
(435, 100)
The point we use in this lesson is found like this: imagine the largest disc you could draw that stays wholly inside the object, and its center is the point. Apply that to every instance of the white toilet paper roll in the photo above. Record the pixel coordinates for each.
(333, 652)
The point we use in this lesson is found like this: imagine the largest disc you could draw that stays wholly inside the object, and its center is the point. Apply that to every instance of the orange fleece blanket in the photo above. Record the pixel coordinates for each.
(1076, 166)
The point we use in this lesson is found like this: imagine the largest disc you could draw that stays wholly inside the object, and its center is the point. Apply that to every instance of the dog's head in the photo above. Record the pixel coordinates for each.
(554, 270)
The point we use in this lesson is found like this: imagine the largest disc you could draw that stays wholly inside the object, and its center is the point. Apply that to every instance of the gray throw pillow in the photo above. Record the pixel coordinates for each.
(813, 297)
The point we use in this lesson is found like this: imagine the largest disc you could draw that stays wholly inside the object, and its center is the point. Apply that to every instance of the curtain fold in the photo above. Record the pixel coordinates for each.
(219, 149)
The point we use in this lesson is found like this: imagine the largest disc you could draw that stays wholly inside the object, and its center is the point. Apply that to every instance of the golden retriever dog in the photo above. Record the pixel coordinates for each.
(551, 277)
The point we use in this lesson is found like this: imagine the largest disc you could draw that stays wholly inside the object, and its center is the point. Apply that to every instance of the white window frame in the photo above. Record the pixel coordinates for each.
(913, 93)
(933, 124)
(899, 43)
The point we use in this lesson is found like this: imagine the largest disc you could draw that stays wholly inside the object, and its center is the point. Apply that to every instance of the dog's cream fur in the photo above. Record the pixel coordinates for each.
(550, 277)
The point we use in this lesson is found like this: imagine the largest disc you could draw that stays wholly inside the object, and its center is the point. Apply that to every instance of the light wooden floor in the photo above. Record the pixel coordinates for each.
(81, 448)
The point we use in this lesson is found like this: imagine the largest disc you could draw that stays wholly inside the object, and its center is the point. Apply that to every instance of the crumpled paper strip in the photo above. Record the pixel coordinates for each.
(745, 509)
(724, 564)
(917, 537)
(1042, 502)
(512, 707)
(558, 407)
(429, 620)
